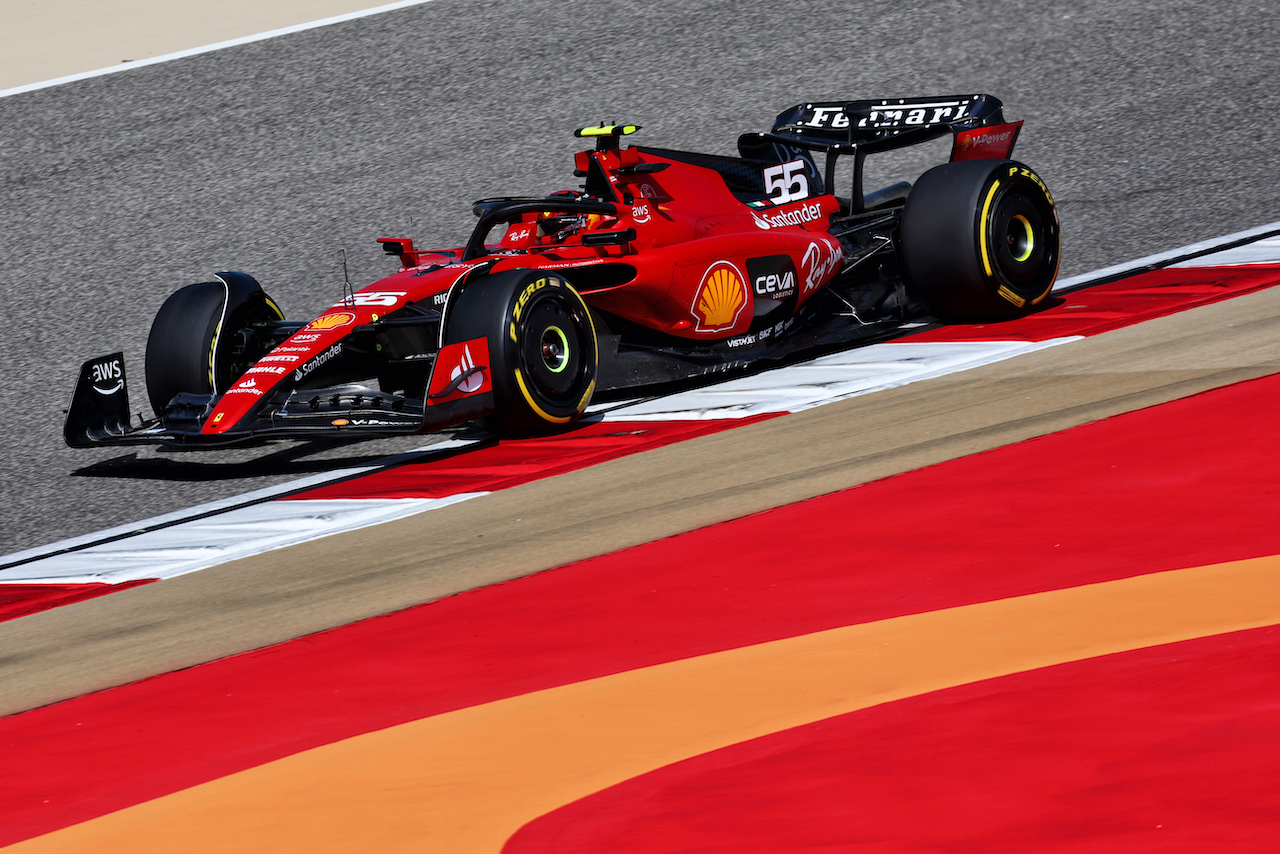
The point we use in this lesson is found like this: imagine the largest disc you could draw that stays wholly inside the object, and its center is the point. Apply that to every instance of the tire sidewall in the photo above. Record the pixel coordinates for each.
(180, 345)
(187, 347)
(514, 310)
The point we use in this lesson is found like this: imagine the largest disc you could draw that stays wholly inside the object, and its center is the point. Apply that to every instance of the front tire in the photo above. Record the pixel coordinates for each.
(980, 240)
(542, 348)
(190, 347)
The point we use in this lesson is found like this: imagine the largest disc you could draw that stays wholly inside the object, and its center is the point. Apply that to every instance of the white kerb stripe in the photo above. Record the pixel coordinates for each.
(202, 543)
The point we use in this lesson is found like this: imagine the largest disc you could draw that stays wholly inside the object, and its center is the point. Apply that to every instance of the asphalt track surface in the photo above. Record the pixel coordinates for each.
(1152, 128)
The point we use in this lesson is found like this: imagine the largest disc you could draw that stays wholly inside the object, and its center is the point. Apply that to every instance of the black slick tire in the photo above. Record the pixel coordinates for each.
(190, 346)
(980, 240)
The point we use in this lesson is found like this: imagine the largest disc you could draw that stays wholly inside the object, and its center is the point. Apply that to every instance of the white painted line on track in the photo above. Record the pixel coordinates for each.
(1206, 253)
(827, 379)
(195, 51)
(195, 545)
(9, 570)
(1265, 251)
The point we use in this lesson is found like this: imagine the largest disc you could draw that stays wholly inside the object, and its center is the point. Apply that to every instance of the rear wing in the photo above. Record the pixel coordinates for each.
(976, 123)
(869, 122)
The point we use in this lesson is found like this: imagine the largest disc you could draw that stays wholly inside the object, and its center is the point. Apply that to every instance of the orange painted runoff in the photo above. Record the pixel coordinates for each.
(466, 780)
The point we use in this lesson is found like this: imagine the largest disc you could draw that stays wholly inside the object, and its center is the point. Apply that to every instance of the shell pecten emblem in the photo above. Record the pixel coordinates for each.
(332, 321)
(720, 298)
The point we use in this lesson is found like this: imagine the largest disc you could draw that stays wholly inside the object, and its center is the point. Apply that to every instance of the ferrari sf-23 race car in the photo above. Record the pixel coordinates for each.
(664, 266)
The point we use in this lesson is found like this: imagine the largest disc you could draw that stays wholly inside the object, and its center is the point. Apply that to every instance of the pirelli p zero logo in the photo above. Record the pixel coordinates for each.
(527, 294)
(531, 289)
(1024, 172)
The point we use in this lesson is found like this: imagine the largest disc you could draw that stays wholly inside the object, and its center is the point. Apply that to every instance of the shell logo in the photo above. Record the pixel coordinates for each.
(332, 321)
(720, 298)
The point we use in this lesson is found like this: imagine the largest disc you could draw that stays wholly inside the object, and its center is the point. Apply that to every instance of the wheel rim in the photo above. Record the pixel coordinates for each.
(1022, 241)
(1021, 238)
(557, 364)
(555, 349)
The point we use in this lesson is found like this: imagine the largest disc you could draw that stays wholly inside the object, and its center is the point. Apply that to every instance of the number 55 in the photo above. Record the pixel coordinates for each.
(786, 182)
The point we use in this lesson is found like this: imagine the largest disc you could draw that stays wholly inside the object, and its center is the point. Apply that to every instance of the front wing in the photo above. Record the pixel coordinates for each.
(99, 413)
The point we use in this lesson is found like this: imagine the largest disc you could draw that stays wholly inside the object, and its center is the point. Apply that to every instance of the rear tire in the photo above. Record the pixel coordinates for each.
(542, 348)
(980, 240)
(190, 347)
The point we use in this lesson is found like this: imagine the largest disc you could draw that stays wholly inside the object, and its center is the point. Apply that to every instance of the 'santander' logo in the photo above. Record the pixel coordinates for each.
(472, 383)
(720, 298)
(463, 360)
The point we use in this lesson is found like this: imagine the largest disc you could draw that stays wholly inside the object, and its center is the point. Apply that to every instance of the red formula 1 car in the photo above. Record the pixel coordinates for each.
(666, 265)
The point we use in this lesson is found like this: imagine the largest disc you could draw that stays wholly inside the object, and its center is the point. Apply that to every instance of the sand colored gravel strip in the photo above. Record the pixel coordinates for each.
(58, 38)
(289, 593)
(465, 781)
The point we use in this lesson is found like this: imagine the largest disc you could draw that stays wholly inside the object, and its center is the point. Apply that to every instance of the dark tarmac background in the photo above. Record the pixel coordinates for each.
(1153, 126)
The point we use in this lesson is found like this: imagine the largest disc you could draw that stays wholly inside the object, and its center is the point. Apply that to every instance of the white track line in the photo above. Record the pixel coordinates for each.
(1264, 251)
(824, 380)
(195, 51)
(203, 543)
(1206, 253)
(221, 506)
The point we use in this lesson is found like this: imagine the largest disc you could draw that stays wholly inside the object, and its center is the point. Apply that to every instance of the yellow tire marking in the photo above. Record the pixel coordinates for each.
(586, 396)
(1011, 296)
(213, 349)
(538, 410)
(1049, 287)
(1031, 238)
(982, 230)
(465, 781)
